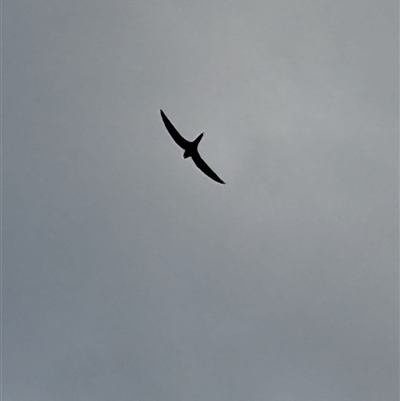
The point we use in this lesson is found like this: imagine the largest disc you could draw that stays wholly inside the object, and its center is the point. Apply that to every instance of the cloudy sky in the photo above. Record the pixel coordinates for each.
(127, 273)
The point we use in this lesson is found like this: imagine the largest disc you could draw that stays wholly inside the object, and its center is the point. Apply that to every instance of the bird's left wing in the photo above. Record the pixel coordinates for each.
(203, 166)
(177, 137)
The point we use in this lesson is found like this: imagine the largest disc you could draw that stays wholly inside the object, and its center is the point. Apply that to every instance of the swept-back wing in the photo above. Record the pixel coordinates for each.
(176, 136)
(203, 166)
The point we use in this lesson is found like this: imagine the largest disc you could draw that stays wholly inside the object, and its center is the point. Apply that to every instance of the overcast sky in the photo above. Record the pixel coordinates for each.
(130, 275)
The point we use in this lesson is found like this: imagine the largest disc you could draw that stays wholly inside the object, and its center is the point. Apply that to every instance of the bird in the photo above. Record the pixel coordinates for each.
(190, 149)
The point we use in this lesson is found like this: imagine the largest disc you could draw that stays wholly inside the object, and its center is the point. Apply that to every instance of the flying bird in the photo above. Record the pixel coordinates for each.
(190, 149)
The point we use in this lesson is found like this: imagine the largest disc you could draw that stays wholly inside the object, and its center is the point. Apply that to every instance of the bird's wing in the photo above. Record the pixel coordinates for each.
(202, 165)
(182, 142)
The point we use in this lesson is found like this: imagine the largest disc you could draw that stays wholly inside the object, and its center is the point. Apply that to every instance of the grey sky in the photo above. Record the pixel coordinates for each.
(127, 273)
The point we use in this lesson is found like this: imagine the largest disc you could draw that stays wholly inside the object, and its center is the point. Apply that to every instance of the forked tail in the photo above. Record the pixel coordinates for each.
(198, 139)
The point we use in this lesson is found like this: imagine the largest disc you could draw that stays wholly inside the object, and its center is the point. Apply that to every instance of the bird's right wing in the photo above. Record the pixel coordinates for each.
(176, 136)
(203, 166)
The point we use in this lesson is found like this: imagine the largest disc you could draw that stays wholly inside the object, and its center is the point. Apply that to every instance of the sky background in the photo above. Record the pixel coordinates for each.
(127, 273)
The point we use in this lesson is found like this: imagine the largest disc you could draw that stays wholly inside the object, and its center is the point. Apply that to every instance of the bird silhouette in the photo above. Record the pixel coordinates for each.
(190, 149)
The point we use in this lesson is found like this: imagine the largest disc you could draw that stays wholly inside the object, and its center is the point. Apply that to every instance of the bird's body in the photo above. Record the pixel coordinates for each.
(191, 149)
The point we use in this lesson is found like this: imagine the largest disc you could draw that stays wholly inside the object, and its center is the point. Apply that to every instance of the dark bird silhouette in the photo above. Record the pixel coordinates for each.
(190, 149)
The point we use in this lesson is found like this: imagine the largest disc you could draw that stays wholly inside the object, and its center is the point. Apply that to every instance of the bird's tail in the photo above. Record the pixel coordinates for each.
(198, 139)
